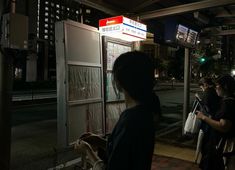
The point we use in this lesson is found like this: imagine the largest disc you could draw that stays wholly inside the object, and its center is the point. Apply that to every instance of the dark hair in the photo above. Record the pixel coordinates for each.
(206, 80)
(134, 72)
(227, 83)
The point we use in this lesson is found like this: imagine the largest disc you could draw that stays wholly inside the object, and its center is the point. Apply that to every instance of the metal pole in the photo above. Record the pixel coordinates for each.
(5, 115)
(136, 44)
(186, 85)
(6, 81)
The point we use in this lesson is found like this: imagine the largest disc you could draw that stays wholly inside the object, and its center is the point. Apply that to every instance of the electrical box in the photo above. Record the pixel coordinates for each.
(14, 31)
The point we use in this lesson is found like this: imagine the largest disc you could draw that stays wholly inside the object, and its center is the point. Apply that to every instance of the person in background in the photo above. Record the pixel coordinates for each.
(131, 143)
(209, 98)
(222, 125)
(210, 103)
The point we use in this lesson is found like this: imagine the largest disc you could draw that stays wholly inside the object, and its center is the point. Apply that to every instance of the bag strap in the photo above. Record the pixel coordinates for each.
(195, 108)
(229, 98)
(194, 105)
(203, 106)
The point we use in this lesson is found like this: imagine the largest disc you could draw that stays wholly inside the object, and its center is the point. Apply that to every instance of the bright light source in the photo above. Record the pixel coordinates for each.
(233, 72)
(198, 41)
(123, 28)
(202, 60)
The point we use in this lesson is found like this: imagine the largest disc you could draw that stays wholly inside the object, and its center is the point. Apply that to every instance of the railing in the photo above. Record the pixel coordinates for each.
(33, 95)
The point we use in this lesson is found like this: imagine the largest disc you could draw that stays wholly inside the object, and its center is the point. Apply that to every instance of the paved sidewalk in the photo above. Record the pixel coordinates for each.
(34, 146)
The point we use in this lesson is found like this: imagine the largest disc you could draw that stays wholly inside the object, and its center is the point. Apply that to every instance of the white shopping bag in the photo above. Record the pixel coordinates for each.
(192, 124)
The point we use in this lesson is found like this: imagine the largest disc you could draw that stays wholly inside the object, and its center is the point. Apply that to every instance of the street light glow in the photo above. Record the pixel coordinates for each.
(233, 72)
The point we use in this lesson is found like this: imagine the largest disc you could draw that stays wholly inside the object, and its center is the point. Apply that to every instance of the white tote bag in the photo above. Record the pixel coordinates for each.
(192, 124)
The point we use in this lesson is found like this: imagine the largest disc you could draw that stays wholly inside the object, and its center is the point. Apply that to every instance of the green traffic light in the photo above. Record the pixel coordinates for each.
(202, 60)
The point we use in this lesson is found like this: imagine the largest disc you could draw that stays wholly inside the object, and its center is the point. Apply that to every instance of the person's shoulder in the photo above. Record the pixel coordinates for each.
(137, 114)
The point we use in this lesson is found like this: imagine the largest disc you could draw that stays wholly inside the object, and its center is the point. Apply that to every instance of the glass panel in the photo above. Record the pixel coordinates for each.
(113, 51)
(110, 92)
(84, 82)
(84, 118)
(113, 111)
(83, 45)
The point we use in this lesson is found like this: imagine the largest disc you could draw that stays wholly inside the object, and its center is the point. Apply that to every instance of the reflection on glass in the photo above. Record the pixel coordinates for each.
(112, 114)
(84, 83)
(94, 118)
(110, 92)
(84, 118)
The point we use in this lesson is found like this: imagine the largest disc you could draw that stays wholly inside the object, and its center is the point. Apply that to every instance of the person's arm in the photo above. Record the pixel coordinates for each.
(223, 125)
(85, 149)
(94, 140)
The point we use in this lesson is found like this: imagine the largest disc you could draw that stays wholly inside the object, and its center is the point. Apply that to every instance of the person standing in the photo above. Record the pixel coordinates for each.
(131, 143)
(210, 103)
(222, 125)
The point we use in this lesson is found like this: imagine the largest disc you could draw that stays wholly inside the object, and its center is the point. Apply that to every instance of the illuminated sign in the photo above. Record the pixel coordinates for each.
(192, 36)
(182, 33)
(123, 28)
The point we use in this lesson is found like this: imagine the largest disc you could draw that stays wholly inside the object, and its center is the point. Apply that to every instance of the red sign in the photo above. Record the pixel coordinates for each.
(111, 21)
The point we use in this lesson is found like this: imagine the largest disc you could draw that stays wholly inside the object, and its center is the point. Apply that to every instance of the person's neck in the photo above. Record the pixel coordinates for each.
(129, 101)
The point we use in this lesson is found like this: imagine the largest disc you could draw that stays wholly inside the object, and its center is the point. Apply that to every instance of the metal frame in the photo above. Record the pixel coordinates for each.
(63, 63)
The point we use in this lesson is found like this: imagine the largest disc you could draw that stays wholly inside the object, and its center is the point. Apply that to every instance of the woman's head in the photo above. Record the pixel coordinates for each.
(225, 86)
(134, 73)
(205, 82)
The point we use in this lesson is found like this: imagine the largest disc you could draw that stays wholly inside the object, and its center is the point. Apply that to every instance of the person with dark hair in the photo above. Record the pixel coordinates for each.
(222, 125)
(209, 99)
(131, 143)
(210, 103)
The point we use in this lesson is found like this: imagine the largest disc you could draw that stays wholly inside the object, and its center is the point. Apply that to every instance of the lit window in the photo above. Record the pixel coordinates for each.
(88, 11)
(57, 6)
(46, 25)
(46, 13)
(46, 19)
(46, 8)
(46, 31)
(46, 2)
(46, 36)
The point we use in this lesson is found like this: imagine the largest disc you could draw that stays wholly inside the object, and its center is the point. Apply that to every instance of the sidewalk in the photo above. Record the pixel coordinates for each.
(34, 147)
(34, 144)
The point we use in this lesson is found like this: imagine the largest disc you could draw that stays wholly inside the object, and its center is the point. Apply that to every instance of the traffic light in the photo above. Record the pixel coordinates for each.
(202, 60)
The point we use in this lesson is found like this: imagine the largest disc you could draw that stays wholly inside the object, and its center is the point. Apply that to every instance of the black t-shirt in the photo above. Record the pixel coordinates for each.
(131, 144)
(211, 100)
(226, 112)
